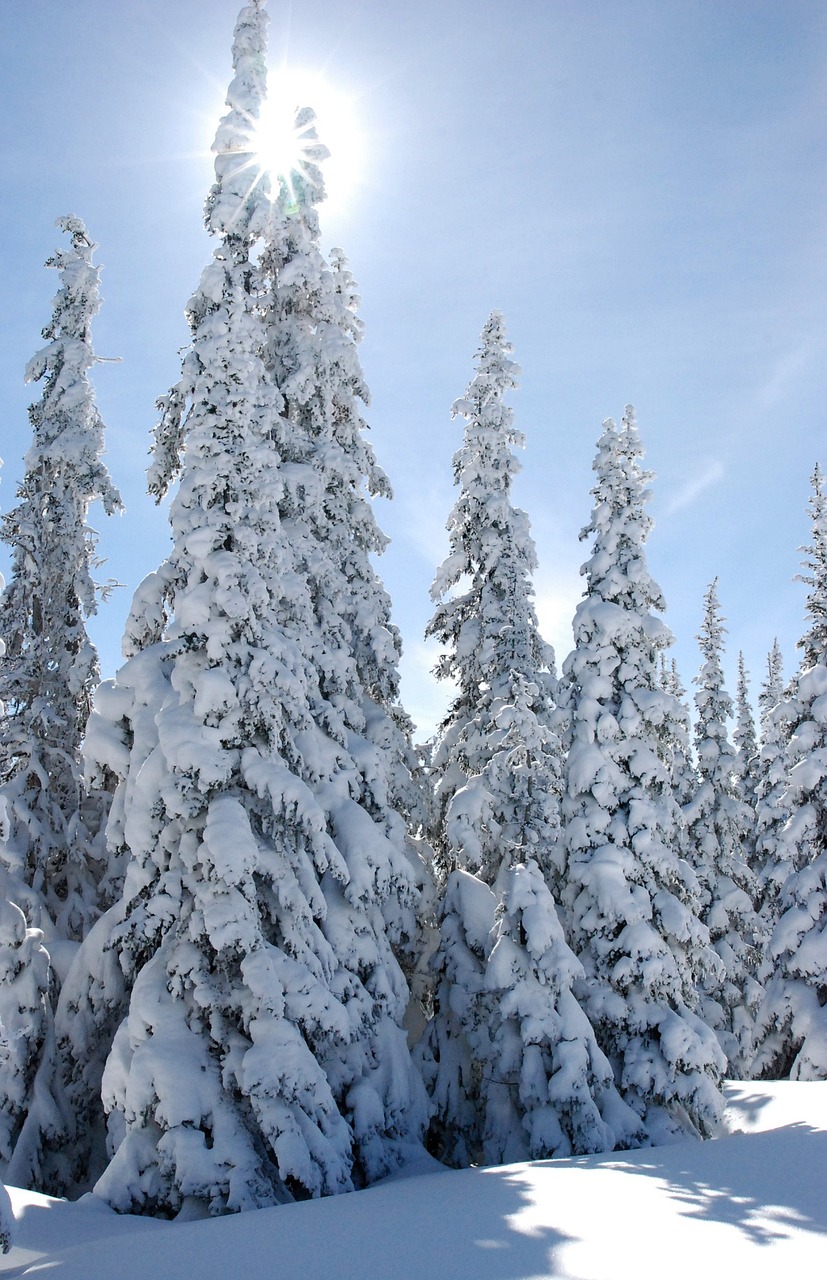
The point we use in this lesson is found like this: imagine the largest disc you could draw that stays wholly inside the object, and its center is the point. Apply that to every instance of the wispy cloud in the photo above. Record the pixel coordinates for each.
(783, 373)
(691, 489)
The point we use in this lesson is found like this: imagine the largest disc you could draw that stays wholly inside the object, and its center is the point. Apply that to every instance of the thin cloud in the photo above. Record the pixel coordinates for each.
(712, 474)
(785, 372)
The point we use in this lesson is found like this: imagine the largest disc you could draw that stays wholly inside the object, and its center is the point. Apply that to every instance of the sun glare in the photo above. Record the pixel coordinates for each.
(281, 147)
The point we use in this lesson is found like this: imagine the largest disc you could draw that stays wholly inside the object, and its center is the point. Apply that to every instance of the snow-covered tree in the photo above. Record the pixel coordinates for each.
(312, 353)
(771, 849)
(29, 1116)
(718, 820)
(260, 1056)
(675, 735)
(509, 1057)
(631, 898)
(794, 1017)
(485, 617)
(551, 1091)
(745, 741)
(50, 667)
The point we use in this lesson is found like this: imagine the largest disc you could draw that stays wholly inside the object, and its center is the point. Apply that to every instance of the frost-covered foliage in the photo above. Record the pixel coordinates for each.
(456, 1048)
(29, 1117)
(769, 841)
(675, 736)
(631, 899)
(745, 741)
(550, 1091)
(312, 354)
(50, 667)
(509, 1056)
(503, 669)
(794, 1018)
(259, 1054)
(718, 820)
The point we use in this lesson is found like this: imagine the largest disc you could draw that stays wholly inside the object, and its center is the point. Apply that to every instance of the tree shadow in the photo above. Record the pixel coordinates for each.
(46, 1226)
(452, 1225)
(764, 1184)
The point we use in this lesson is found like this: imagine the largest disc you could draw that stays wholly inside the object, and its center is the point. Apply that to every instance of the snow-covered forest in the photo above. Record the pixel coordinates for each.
(257, 944)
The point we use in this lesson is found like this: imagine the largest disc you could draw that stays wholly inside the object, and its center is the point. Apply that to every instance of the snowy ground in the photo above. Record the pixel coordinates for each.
(752, 1203)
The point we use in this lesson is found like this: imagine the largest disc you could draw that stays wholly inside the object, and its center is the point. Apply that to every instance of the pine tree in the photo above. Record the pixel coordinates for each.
(631, 898)
(770, 812)
(675, 735)
(261, 1056)
(50, 667)
(745, 741)
(26, 1038)
(29, 1115)
(485, 617)
(509, 1057)
(312, 353)
(718, 820)
(793, 1028)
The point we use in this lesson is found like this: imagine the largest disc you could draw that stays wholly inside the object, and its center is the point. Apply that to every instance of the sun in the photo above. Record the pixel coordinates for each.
(281, 147)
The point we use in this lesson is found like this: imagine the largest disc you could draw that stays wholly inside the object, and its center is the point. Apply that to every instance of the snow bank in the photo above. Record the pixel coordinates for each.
(751, 1204)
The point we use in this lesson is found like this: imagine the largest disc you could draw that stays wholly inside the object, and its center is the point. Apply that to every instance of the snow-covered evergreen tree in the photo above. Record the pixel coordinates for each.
(50, 667)
(485, 617)
(313, 337)
(631, 898)
(745, 740)
(794, 1017)
(509, 1057)
(771, 849)
(675, 735)
(718, 820)
(29, 1116)
(261, 1055)
(550, 1091)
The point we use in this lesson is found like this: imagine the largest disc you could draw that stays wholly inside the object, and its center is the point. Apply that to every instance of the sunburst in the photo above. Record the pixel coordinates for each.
(285, 148)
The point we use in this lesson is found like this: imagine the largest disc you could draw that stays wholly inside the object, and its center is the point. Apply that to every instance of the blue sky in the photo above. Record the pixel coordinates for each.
(639, 185)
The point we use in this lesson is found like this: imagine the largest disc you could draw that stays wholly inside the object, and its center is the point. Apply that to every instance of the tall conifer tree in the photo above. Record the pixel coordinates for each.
(770, 792)
(509, 1057)
(50, 826)
(745, 740)
(793, 1028)
(50, 667)
(718, 821)
(260, 1056)
(631, 899)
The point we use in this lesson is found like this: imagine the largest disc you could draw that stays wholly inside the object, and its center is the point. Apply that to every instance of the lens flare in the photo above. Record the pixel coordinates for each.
(284, 149)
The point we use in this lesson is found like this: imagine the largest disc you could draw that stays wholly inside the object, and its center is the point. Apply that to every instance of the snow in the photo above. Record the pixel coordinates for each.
(749, 1203)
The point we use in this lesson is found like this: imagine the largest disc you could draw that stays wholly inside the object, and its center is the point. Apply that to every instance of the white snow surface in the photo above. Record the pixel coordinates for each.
(749, 1203)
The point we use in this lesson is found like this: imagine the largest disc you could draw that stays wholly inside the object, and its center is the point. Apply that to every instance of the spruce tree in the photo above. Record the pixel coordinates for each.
(718, 820)
(770, 809)
(26, 1039)
(29, 1115)
(485, 613)
(631, 898)
(259, 1054)
(745, 740)
(312, 353)
(509, 1057)
(676, 739)
(50, 667)
(793, 1031)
